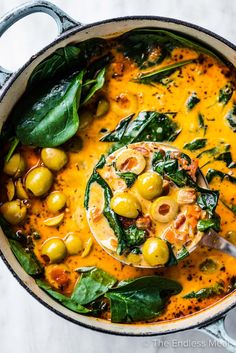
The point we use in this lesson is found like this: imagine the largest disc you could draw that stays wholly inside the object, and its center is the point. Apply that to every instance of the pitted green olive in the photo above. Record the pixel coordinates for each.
(54, 158)
(164, 209)
(73, 243)
(130, 160)
(39, 180)
(15, 166)
(149, 185)
(155, 251)
(14, 212)
(125, 205)
(56, 201)
(54, 250)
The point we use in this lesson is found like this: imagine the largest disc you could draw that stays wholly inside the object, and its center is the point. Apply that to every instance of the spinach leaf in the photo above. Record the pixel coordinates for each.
(110, 215)
(205, 224)
(135, 236)
(141, 299)
(212, 173)
(227, 158)
(91, 285)
(230, 207)
(196, 144)
(117, 134)
(201, 122)
(64, 300)
(52, 118)
(208, 292)
(231, 118)
(208, 200)
(225, 94)
(208, 266)
(128, 177)
(96, 85)
(172, 259)
(159, 75)
(14, 143)
(27, 259)
(60, 61)
(182, 254)
(140, 44)
(192, 101)
(148, 126)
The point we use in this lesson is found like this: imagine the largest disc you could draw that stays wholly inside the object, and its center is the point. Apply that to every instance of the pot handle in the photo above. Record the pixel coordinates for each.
(217, 330)
(64, 23)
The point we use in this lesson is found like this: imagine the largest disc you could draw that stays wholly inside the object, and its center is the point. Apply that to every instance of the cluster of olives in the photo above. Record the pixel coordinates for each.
(37, 182)
(149, 186)
(55, 250)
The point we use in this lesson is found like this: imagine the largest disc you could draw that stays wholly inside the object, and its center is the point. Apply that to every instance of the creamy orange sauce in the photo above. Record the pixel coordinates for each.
(126, 97)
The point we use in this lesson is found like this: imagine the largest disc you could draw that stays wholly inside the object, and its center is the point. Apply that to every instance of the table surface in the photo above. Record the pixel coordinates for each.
(25, 325)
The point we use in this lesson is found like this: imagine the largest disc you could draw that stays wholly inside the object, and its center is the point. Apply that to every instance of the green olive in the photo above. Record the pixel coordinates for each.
(39, 180)
(54, 250)
(149, 185)
(15, 166)
(125, 205)
(155, 251)
(73, 243)
(231, 236)
(102, 107)
(164, 209)
(54, 158)
(56, 201)
(130, 160)
(14, 212)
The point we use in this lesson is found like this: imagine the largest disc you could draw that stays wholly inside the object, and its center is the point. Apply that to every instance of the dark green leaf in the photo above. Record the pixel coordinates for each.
(52, 118)
(227, 158)
(208, 266)
(212, 173)
(128, 177)
(159, 75)
(65, 301)
(172, 259)
(135, 236)
(201, 122)
(14, 143)
(230, 207)
(208, 292)
(60, 61)
(141, 299)
(27, 259)
(97, 84)
(208, 200)
(196, 144)
(225, 94)
(231, 118)
(91, 285)
(192, 101)
(206, 224)
(182, 254)
(117, 134)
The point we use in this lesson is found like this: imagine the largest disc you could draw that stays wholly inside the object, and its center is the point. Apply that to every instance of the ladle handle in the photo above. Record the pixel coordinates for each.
(213, 240)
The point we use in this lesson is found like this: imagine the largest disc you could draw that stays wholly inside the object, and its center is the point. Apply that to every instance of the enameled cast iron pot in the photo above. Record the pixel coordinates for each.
(12, 85)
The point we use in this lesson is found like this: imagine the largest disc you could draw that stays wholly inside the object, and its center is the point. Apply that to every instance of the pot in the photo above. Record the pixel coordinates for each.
(12, 85)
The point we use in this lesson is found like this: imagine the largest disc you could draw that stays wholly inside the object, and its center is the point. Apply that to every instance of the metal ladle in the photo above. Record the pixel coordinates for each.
(210, 239)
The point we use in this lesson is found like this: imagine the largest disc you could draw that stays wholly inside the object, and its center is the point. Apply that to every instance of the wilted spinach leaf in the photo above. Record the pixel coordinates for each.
(141, 299)
(212, 173)
(192, 101)
(196, 144)
(135, 236)
(64, 300)
(230, 207)
(52, 118)
(117, 134)
(95, 85)
(26, 258)
(208, 200)
(231, 118)
(128, 177)
(161, 74)
(182, 254)
(225, 94)
(205, 224)
(201, 122)
(208, 292)
(91, 285)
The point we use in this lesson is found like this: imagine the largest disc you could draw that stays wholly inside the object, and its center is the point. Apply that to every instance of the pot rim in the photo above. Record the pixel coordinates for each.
(112, 330)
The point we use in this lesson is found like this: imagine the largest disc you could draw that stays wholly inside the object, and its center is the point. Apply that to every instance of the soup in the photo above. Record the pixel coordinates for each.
(86, 103)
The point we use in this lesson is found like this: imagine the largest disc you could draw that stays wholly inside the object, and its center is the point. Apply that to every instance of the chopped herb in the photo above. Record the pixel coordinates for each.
(135, 236)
